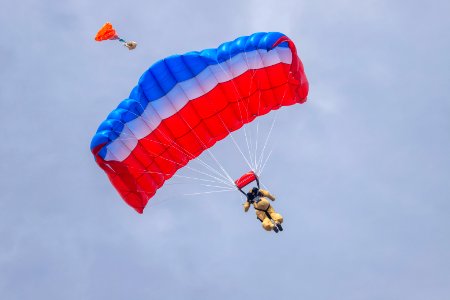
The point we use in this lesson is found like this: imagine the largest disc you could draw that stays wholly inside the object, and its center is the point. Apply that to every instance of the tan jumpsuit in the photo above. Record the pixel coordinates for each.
(264, 211)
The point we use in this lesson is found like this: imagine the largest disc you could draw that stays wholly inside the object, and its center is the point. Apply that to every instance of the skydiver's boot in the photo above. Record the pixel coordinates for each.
(279, 226)
(275, 229)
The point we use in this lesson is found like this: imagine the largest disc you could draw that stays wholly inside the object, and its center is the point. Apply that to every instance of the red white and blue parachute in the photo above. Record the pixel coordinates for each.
(184, 104)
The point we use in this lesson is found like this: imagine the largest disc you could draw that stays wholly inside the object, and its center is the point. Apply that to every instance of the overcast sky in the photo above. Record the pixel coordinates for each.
(361, 171)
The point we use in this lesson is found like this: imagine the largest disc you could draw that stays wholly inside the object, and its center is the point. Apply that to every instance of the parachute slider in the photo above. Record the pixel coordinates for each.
(107, 32)
(245, 180)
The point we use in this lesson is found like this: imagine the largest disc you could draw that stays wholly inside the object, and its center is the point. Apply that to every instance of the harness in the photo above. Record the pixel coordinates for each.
(265, 211)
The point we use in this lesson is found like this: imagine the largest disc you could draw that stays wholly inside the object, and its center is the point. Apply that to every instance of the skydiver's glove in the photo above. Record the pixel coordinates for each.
(246, 206)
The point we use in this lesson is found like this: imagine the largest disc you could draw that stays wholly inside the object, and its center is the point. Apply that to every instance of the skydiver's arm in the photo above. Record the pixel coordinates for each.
(265, 193)
(246, 206)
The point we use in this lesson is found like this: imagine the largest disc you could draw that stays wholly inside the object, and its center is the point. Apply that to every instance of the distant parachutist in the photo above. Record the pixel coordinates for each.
(270, 219)
(107, 32)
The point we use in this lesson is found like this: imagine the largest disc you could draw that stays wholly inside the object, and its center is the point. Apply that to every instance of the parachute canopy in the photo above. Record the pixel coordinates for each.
(183, 104)
(107, 32)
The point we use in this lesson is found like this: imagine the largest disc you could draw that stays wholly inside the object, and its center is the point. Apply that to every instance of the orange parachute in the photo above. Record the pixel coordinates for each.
(107, 32)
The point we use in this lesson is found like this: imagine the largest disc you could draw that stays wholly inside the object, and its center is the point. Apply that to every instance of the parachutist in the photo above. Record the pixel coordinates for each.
(107, 32)
(270, 219)
(130, 45)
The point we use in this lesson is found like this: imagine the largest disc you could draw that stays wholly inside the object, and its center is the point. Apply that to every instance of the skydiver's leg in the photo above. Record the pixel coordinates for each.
(267, 224)
(275, 216)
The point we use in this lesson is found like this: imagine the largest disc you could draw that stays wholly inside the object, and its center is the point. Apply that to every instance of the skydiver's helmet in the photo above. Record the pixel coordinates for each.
(251, 196)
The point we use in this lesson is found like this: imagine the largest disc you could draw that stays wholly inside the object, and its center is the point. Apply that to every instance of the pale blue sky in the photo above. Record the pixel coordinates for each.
(361, 171)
